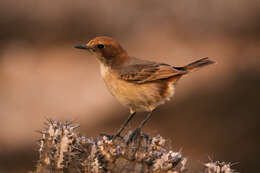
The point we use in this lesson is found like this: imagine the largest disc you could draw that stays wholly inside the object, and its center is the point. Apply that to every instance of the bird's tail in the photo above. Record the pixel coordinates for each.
(196, 65)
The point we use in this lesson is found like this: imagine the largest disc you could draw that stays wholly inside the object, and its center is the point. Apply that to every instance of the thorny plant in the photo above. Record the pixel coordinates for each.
(63, 150)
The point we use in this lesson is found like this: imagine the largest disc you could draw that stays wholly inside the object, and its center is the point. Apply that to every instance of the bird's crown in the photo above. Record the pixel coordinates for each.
(107, 49)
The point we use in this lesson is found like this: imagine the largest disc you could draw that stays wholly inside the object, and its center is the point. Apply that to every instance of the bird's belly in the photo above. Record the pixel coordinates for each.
(140, 97)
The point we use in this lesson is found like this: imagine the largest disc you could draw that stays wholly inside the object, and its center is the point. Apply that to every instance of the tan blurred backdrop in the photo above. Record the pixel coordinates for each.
(214, 113)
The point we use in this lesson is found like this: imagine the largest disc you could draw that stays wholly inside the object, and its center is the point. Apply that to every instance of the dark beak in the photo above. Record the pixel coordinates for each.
(82, 47)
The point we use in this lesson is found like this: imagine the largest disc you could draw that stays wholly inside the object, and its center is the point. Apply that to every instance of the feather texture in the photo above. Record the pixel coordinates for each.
(141, 71)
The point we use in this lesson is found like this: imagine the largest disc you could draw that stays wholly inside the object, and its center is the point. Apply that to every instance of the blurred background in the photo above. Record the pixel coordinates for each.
(214, 113)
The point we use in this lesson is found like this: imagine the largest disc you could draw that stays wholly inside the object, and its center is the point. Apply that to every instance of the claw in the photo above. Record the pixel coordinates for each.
(133, 135)
(116, 136)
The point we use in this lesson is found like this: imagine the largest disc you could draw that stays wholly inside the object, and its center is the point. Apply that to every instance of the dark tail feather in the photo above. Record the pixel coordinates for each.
(196, 65)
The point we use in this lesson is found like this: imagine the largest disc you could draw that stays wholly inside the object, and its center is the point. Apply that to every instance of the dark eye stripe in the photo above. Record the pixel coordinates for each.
(100, 46)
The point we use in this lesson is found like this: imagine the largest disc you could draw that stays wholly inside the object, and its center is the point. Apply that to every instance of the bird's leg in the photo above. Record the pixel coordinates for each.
(137, 131)
(146, 119)
(125, 124)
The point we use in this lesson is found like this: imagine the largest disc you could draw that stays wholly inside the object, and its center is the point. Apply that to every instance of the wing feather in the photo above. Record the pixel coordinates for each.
(142, 73)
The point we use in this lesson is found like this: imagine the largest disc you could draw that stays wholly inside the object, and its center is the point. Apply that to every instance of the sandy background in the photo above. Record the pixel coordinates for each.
(214, 113)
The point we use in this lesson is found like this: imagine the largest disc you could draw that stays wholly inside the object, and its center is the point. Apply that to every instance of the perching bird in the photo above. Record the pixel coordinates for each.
(139, 84)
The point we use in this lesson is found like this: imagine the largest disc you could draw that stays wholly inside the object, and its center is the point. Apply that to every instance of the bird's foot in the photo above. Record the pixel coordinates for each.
(117, 136)
(133, 136)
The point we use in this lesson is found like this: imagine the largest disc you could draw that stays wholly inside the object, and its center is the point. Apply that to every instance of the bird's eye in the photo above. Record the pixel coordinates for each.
(100, 46)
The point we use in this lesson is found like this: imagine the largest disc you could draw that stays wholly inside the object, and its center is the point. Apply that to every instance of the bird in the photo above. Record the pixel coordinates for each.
(139, 84)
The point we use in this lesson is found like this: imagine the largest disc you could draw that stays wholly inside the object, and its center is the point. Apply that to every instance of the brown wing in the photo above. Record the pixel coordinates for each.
(142, 73)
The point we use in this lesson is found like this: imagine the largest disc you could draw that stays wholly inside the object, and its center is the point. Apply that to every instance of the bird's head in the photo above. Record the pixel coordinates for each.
(107, 50)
